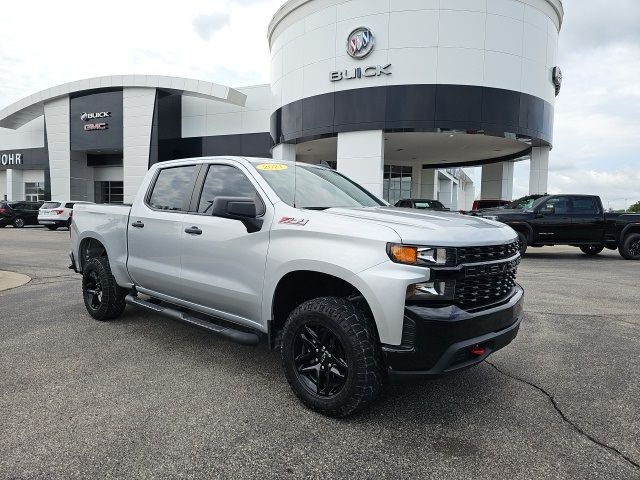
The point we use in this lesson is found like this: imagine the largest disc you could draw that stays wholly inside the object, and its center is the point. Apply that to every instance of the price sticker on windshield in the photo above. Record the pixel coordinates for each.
(272, 167)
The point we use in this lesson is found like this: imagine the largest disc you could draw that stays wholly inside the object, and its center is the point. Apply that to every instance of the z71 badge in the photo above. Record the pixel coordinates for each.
(297, 222)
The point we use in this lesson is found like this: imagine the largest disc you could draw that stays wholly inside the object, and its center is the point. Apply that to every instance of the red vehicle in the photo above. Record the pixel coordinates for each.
(478, 204)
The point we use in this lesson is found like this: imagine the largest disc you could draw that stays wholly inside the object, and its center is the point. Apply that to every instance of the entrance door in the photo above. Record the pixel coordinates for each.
(155, 231)
(223, 266)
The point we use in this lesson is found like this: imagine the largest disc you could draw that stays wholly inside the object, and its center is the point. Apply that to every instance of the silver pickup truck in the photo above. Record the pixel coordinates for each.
(350, 290)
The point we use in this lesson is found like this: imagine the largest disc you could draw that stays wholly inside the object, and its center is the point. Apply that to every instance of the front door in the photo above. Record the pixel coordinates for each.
(223, 266)
(553, 221)
(155, 231)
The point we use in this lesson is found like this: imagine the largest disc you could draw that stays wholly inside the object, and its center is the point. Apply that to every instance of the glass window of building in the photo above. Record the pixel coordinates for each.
(34, 191)
(109, 192)
(397, 183)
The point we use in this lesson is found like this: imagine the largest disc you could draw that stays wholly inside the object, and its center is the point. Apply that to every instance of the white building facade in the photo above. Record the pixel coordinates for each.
(399, 95)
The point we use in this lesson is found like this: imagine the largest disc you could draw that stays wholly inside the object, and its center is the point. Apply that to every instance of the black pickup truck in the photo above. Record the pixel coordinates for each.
(576, 220)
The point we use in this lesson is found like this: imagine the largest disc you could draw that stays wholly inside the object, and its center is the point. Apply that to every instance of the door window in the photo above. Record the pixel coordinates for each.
(562, 205)
(584, 205)
(172, 189)
(226, 181)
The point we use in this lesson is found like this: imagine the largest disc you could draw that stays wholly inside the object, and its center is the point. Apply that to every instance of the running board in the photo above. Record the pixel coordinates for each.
(238, 336)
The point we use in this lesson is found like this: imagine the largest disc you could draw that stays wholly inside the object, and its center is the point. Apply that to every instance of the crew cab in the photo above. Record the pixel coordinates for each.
(349, 289)
(576, 220)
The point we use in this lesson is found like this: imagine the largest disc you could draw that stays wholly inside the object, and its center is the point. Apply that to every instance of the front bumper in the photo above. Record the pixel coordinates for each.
(438, 340)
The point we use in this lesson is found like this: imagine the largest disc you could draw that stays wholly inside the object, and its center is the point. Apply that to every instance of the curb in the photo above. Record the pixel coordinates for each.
(9, 280)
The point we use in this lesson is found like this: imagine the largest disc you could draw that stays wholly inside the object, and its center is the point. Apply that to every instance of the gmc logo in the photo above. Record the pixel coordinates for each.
(491, 269)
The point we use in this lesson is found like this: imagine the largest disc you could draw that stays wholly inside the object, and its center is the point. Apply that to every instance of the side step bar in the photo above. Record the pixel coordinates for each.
(238, 336)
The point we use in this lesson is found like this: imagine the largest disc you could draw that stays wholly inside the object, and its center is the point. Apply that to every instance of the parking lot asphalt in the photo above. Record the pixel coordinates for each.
(146, 397)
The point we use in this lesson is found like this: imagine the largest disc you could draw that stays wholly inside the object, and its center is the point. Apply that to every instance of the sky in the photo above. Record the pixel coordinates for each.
(597, 117)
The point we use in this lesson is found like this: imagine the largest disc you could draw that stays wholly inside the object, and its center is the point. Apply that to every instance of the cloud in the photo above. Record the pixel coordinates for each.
(206, 25)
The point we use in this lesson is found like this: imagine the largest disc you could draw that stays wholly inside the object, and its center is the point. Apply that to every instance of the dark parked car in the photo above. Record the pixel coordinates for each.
(422, 204)
(576, 220)
(18, 214)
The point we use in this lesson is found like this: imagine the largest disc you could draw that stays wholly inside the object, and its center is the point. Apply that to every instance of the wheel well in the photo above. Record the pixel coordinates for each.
(297, 287)
(523, 230)
(629, 231)
(90, 248)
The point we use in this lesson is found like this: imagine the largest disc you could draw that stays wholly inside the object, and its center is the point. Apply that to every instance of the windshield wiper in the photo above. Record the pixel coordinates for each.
(316, 208)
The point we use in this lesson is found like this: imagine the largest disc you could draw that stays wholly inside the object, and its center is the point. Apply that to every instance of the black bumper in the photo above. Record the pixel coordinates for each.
(438, 340)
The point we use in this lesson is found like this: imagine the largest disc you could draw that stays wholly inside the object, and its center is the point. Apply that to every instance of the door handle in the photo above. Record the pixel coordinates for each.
(193, 231)
(137, 224)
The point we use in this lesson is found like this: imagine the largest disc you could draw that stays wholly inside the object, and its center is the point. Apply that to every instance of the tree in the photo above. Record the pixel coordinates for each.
(635, 207)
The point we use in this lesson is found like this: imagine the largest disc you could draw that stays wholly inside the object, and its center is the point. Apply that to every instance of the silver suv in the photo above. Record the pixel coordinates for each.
(349, 289)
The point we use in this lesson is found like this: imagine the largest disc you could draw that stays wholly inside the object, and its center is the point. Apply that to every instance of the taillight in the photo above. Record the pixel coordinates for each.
(59, 211)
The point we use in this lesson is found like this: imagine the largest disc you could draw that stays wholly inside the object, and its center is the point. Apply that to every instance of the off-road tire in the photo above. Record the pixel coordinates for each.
(361, 347)
(18, 222)
(592, 250)
(629, 247)
(522, 239)
(52, 227)
(111, 304)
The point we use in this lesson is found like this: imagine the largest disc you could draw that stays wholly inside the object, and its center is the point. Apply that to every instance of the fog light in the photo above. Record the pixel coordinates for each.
(435, 290)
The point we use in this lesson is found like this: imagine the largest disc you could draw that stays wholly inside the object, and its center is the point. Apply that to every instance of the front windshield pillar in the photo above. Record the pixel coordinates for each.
(361, 158)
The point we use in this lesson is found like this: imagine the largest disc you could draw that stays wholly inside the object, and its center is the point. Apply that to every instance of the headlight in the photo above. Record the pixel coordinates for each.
(435, 290)
(422, 256)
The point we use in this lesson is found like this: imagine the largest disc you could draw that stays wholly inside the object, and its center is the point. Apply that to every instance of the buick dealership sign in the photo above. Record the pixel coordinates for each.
(10, 159)
(360, 72)
(360, 43)
(86, 117)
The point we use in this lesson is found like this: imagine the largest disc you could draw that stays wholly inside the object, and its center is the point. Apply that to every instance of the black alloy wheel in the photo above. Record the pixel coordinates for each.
(331, 356)
(319, 357)
(93, 291)
(630, 248)
(18, 222)
(591, 250)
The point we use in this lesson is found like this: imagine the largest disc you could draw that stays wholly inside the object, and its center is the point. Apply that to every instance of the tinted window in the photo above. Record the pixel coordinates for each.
(561, 205)
(584, 205)
(69, 205)
(50, 205)
(226, 181)
(173, 188)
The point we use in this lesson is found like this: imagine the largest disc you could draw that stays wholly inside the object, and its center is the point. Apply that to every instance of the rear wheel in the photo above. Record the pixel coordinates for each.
(331, 356)
(18, 222)
(103, 298)
(630, 248)
(522, 238)
(52, 227)
(591, 250)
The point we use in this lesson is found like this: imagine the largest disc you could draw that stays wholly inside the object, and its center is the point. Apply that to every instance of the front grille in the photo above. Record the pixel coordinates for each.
(484, 290)
(487, 253)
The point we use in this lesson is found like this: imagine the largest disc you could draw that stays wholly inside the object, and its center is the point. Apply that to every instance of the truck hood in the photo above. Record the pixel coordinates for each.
(431, 227)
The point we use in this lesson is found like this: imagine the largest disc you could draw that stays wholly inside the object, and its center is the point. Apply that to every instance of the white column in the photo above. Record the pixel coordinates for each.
(15, 185)
(3, 185)
(416, 180)
(539, 170)
(56, 116)
(285, 152)
(361, 158)
(429, 184)
(454, 195)
(497, 181)
(138, 104)
(445, 191)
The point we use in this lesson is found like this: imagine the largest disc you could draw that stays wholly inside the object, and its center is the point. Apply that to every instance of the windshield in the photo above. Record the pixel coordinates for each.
(522, 203)
(314, 187)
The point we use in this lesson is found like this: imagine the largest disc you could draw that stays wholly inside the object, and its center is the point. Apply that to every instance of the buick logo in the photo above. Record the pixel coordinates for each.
(360, 43)
(85, 117)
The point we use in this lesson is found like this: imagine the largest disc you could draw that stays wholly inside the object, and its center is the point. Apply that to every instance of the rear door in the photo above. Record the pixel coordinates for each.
(155, 230)
(223, 266)
(555, 226)
(587, 218)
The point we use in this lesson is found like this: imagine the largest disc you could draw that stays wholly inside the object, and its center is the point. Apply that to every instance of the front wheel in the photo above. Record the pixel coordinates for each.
(103, 297)
(591, 250)
(630, 248)
(331, 356)
(522, 240)
(52, 227)
(18, 222)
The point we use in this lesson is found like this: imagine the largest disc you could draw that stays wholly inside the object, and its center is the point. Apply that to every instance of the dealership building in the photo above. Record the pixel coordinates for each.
(399, 95)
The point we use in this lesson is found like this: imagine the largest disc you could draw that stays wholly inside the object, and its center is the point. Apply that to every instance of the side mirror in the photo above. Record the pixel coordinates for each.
(243, 209)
